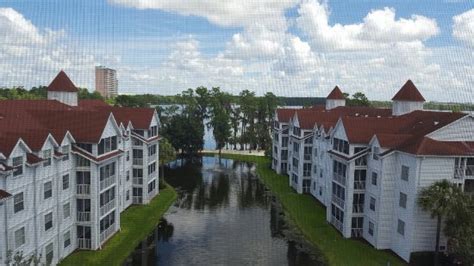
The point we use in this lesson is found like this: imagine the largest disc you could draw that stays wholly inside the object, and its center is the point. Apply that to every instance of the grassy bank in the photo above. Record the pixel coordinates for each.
(136, 223)
(310, 217)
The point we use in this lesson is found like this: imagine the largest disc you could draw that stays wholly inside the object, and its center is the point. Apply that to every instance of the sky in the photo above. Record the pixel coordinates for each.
(288, 47)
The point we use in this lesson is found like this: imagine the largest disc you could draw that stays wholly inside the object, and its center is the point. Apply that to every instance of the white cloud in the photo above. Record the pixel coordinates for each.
(379, 29)
(463, 27)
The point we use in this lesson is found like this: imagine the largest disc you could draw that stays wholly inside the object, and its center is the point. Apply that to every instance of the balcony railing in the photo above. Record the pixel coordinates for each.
(461, 172)
(138, 180)
(356, 232)
(83, 189)
(340, 179)
(83, 216)
(138, 161)
(107, 182)
(107, 232)
(359, 185)
(107, 207)
(84, 243)
(151, 158)
(307, 157)
(338, 201)
(336, 223)
(357, 208)
(137, 200)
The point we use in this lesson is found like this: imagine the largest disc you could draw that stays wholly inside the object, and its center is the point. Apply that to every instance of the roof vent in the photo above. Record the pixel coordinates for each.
(378, 116)
(436, 123)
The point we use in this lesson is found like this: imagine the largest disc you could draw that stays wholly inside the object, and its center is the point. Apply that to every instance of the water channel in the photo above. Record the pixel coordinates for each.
(223, 216)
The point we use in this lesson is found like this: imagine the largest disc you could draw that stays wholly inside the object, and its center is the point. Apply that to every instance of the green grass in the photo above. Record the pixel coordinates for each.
(310, 218)
(136, 223)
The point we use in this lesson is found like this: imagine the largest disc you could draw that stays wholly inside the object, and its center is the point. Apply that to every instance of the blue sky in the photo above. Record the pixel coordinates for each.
(278, 45)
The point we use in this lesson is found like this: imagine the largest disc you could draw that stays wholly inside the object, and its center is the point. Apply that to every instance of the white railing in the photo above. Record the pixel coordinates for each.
(83, 189)
(107, 182)
(137, 200)
(338, 201)
(84, 243)
(359, 185)
(151, 158)
(357, 208)
(461, 172)
(83, 216)
(336, 223)
(107, 232)
(340, 178)
(152, 193)
(138, 161)
(138, 180)
(362, 161)
(356, 232)
(107, 207)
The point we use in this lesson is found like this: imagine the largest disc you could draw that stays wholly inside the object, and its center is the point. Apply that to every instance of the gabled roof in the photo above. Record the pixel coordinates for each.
(335, 94)
(62, 83)
(4, 194)
(408, 92)
(285, 114)
(32, 159)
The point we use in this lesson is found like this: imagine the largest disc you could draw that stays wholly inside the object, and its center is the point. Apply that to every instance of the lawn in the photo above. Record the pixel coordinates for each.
(136, 223)
(310, 218)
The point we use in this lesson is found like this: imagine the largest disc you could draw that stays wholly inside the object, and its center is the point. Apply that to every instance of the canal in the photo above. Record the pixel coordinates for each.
(223, 216)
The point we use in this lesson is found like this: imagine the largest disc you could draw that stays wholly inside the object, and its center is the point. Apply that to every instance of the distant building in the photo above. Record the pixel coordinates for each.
(106, 82)
(367, 165)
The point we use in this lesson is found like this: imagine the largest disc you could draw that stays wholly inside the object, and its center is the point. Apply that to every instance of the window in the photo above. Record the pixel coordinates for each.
(295, 164)
(151, 168)
(359, 178)
(372, 203)
(306, 169)
(151, 186)
(284, 141)
(66, 210)
(48, 190)
(296, 147)
(307, 153)
(48, 221)
(152, 150)
(47, 157)
(338, 191)
(85, 146)
(296, 131)
(339, 170)
(403, 200)
(82, 162)
(340, 145)
(18, 165)
(128, 175)
(284, 154)
(107, 171)
(405, 171)
(65, 182)
(371, 228)
(65, 151)
(137, 172)
(128, 155)
(20, 237)
(107, 196)
(401, 227)
(18, 202)
(107, 145)
(374, 178)
(49, 254)
(128, 195)
(108, 221)
(153, 131)
(375, 153)
(67, 239)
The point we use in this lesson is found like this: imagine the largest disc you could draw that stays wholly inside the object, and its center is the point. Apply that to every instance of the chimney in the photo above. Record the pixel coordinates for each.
(407, 100)
(335, 99)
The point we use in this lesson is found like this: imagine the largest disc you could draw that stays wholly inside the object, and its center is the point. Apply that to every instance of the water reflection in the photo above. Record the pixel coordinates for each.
(223, 215)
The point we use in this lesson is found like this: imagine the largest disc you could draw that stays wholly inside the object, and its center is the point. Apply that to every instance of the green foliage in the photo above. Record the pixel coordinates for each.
(357, 99)
(19, 259)
(220, 110)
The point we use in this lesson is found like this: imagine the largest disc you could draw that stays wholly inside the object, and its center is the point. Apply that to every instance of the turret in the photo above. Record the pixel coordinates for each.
(335, 99)
(407, 100)
(63, 90)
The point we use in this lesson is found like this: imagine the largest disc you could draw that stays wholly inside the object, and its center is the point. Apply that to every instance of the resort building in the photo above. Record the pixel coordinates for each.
(68, 168)
(368, 165)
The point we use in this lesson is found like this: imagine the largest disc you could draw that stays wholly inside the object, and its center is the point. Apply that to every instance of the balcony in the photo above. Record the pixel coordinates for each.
(83, 216)
(137, 200)
(107, 207)
(359, 185)
(152, 193)
(107, 182)
(357, 208)
(336, 223)
(356, 232)
(463, 172)
(83, 189)
(152, 158)
(138, 180)
(339, 178)
(307, 173)
(307, 157)
(84, 243)
(138, 161)
(338, 201)
(107, 233)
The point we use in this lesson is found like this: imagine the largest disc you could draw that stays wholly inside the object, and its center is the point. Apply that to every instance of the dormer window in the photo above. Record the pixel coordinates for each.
(340, 145)
(107, 145)
(153, 131)
(65, 151)
(17, 163)
(47, 157)
(375, 153)
(296, 131)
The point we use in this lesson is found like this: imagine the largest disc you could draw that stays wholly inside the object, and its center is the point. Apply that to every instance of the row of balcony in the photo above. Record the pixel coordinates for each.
(462, 172)
(84, 243)
(339, 178)
(137, 199)
(107, 232)
(109, 181)
(338, 201)
(107, 207)
(336, 223)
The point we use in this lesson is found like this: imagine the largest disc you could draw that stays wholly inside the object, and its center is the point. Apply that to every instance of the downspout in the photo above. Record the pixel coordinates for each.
(6, 227)
(35, 218)
(58, 199)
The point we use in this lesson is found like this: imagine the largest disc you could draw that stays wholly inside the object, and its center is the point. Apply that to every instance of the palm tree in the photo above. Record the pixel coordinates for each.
(440, 199)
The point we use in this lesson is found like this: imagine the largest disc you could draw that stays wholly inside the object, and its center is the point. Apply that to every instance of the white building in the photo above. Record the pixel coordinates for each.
(68, 168)
(368, 165)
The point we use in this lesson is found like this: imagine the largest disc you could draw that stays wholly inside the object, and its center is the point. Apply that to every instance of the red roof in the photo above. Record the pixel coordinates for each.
(62, 83)
(4, 194)
(408, 92)
(336, 94)
(33, 159)
(285, 114)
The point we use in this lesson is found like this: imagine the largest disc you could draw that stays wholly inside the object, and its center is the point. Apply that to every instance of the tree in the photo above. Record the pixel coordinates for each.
(220, 117)
(18, 259)
(358, 99)
(166, 153)
(440, 199)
